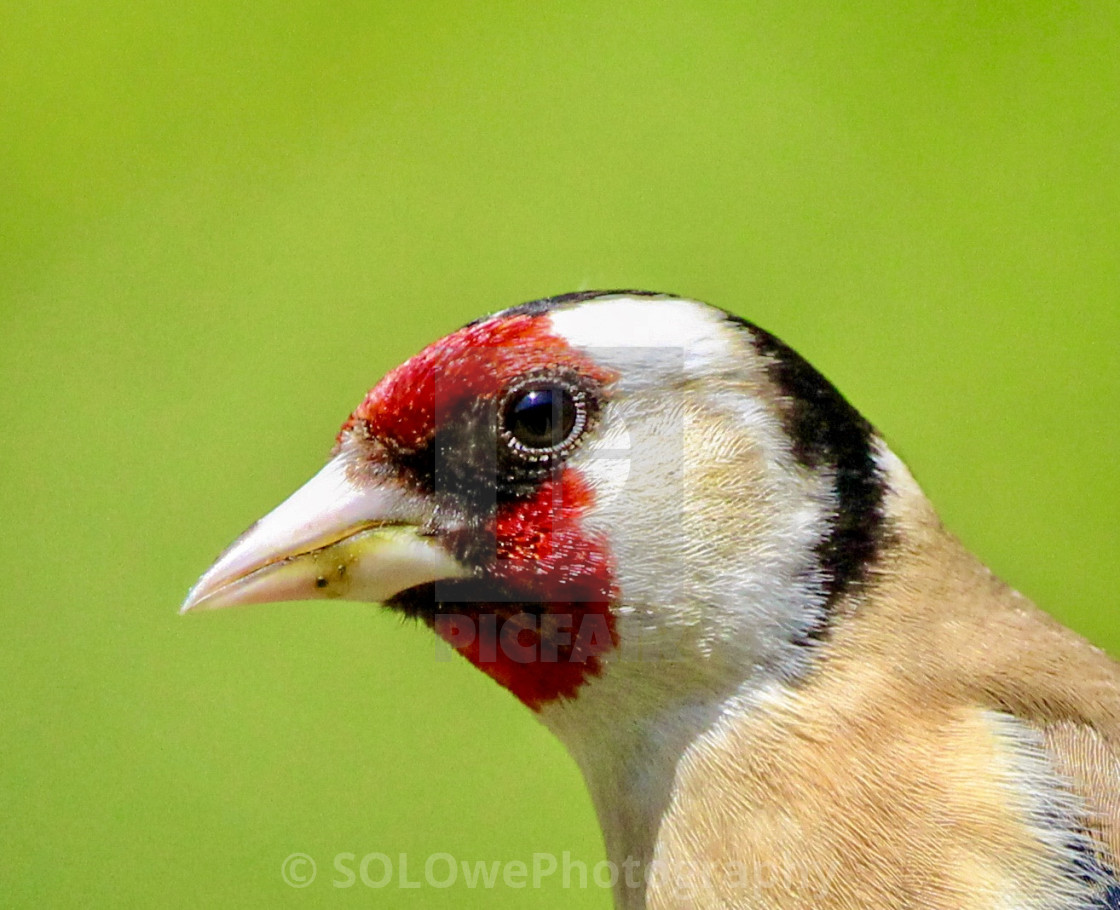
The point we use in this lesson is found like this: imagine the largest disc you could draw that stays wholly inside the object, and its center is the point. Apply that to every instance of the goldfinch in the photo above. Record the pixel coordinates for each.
(785, 683)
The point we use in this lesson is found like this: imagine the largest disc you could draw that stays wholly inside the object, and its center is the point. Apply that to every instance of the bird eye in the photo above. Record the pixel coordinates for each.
(542, 419)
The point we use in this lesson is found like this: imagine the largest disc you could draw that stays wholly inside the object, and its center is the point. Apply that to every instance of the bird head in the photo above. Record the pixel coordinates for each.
(612, 503)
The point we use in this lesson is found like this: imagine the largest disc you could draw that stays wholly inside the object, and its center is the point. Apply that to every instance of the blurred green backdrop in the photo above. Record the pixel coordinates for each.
(223, 221)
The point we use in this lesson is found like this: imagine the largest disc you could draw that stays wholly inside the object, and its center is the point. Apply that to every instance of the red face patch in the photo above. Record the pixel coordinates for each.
(549, 561)
(478, 361)
(549, 638)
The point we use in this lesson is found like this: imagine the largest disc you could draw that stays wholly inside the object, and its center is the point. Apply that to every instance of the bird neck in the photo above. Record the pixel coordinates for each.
(633, 730)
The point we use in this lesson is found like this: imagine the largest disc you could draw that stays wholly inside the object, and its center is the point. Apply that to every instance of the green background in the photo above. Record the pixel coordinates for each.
(221, 222)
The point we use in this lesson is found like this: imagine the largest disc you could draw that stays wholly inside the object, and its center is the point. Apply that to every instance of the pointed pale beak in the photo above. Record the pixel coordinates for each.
(345, 534)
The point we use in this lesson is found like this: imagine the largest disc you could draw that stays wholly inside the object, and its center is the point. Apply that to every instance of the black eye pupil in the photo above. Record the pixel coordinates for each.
(542, 418)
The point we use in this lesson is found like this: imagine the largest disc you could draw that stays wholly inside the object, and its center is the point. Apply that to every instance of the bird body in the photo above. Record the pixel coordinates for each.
(785, 683)
(960, 751)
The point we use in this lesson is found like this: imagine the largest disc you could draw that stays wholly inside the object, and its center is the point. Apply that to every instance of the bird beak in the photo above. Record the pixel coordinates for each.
(342, 535)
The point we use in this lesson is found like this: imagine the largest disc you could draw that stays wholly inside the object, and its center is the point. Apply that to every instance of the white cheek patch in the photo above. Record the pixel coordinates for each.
(645, 339)
(605, 460)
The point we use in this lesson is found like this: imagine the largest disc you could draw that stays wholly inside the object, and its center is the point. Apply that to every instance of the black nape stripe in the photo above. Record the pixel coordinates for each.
(829, 434)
